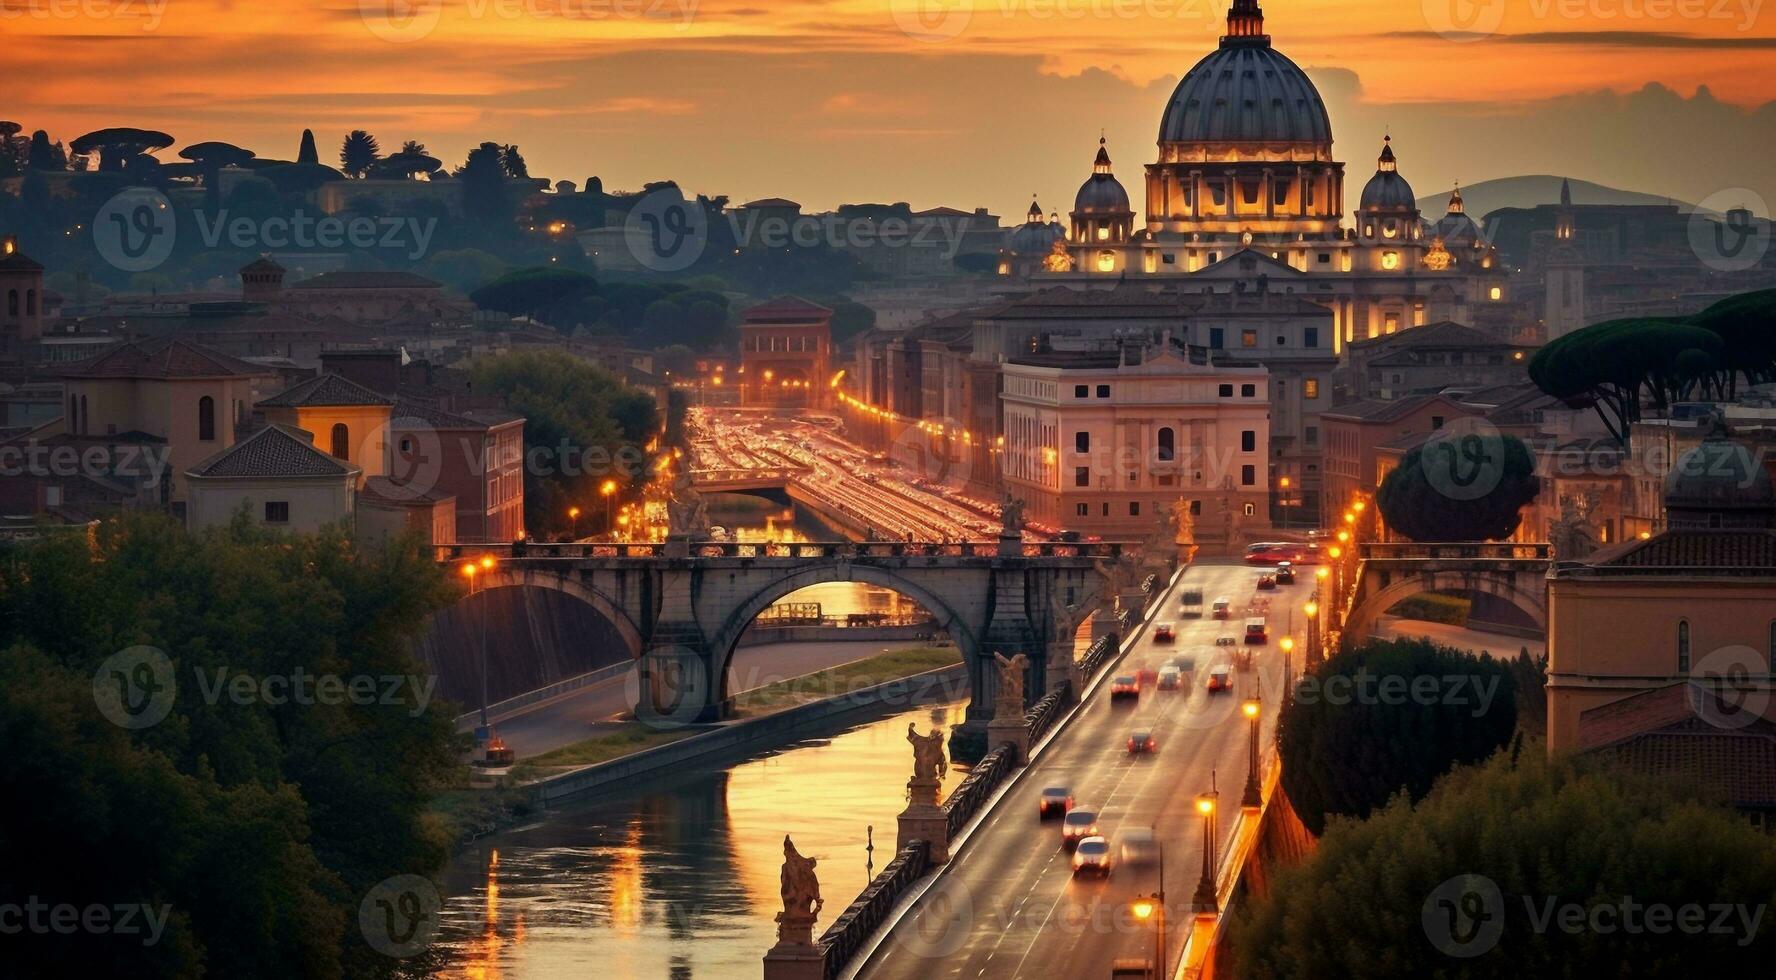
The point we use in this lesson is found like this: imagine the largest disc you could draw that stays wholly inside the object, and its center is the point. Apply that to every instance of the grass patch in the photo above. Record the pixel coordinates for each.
(634, 737)
(1435, 607)
(843, 679)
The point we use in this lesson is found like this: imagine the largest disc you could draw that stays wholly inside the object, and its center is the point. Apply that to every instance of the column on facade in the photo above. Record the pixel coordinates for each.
(1269, 192)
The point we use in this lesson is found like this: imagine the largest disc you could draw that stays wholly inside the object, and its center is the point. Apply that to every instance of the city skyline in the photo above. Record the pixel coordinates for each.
(715, 95)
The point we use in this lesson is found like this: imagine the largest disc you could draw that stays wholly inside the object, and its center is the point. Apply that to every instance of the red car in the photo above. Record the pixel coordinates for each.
(1141, 743)
(1165, 633)
(1125, 686)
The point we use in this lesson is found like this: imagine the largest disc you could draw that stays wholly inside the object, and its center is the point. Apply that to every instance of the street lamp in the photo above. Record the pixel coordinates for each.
(1254, 795)
(1288, 645)
(573, 514)
(1154, 907)
(470, 569)
(609, 491)
(1205, 902)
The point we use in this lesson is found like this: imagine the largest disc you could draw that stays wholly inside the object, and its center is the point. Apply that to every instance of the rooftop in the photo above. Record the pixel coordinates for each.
(161, 358)
(325, 389)
(274, 451)
(368, 279)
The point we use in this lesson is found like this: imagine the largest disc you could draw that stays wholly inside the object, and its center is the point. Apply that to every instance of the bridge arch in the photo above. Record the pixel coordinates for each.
(725, 637)
(1531, 601)
(504, 576)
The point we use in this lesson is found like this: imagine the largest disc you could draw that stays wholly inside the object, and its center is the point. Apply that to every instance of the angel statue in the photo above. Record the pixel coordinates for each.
(801, 897)
(1010, 703)
(928, 754)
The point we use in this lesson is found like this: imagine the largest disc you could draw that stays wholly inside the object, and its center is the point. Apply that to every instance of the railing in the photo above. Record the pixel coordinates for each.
(1471, 550)
(966, 799)
(742, 475)
(843, 939)
(749, 549)
(1102, 649)
(1043, 713)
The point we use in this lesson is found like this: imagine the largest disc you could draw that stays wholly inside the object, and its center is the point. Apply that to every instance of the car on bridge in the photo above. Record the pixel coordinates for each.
(1141, 742)
(1092, 857)
(1165, 632)
(1225, 640)
(1169, 678)
(1222, 608)
(1285, 573)
(1054, 802)
(1220, 679)
(1077, 825)
(1125, 686)
(1138, 847)
(1266, 583)
(1185, 663)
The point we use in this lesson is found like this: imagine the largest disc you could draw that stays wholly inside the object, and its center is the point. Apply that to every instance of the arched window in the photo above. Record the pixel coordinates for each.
(30, 302)
(341, 441)
(1683, 646)
(73, 416)
(84, 418)
(206, 418)
(12, 302)
(1168, 445)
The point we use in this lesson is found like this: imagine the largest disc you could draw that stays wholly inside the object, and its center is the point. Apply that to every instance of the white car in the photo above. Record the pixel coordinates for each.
(1139, 847)
(1092, 857)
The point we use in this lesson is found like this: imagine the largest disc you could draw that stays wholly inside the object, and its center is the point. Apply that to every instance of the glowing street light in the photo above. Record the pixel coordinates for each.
(608, 490)
(1205, 901)
(1254, 796)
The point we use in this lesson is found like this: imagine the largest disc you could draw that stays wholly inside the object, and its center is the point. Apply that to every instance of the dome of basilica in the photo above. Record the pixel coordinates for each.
(1245, 92)
(1387, 190)
(1101, 193)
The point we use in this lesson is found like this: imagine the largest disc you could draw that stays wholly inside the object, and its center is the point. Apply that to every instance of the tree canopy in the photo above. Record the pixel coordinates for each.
(1612, 366)
(261, 822)
(1526, 868)
(1386, 717)
(1460, 487)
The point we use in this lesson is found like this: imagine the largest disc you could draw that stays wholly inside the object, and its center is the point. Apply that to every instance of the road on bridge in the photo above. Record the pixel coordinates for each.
(1010, 907)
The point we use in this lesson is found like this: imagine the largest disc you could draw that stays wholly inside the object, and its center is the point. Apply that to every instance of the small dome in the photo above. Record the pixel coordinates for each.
(1102, 193)
(1719, 484)
(1037, 235)
(1387, 190)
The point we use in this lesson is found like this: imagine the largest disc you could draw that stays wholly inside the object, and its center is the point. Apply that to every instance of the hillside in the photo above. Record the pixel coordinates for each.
(1526, 192)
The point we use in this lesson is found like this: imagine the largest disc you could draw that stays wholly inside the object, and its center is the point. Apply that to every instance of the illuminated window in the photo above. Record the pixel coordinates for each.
(1106, 261)
(1496, 293)
(1103, 233)
(1390, 260)
(1248, 338)
(1310, 388)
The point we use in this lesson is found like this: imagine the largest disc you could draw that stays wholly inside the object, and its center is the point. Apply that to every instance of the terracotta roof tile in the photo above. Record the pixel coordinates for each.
(161, 358)
(274, 451)
(325, 389)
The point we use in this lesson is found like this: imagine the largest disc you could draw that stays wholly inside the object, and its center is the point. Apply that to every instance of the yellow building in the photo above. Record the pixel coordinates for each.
(1660, 649)
(278, 477)
(343, 417)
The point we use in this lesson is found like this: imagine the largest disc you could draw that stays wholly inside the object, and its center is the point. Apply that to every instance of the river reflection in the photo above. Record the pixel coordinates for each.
(681, 880)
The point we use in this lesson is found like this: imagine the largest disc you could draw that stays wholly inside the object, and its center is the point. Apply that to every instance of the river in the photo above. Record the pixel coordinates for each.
(679, 880)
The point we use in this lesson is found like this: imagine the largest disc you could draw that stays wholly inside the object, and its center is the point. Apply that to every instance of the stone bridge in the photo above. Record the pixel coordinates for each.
(740, 480)
(1388, 573)
(681, 607)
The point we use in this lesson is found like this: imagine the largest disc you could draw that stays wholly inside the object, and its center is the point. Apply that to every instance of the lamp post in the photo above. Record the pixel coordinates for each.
(1154, 906)
(1284, 485)
(1312, 609)
(573, 515)
(608, 490)
(1254, 795)
(1205, 902)
(1288, 645)
(469, 570)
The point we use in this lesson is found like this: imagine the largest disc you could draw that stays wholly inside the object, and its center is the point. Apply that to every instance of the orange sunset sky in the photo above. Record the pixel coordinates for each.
(928, 101)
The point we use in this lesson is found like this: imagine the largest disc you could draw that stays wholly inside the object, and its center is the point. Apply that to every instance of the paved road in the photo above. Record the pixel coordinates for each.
(1497, 644)
(1010, 907)
(586, 712)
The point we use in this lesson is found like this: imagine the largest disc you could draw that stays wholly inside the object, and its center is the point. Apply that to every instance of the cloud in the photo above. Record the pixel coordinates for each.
(1602, 39)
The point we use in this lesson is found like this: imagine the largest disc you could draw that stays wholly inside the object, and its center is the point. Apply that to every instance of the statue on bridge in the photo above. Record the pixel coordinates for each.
(928, 766)
(687, 514)
(1010, 703)
(801, 898)
(1011, 514)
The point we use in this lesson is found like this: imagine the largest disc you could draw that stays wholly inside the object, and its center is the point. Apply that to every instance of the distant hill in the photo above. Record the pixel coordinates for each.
(1526, 192)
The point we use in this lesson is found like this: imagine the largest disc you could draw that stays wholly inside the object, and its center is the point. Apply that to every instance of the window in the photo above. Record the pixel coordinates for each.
(1248, 475)
(1196, 508)
(1227, 391)
(1081, 510)
(1310, 337)
(1436, 421)
(277, 512)
(1103, 391)
(1082, 391)
(30, 302)
(1250, 509)
(1683, 646)
(1248, 338)
(85, 416)
(341, 441)
(1134, 508)
(1312, 435)
(1217, 338)
(1082, 442)
(1248, 391)
(1082, 476)
(1325, 257)
(406, 444)
(1282, 192)
(1310, 388)
(1168, 445)
(206, 418)
(12, 302)
(1106, 509)
(1249, 441)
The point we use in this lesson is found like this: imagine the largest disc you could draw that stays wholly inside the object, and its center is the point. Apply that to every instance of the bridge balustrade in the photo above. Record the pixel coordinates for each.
(842, 940)
(752, 549)
(1043, 713)
(971, 794)
(1455, 550)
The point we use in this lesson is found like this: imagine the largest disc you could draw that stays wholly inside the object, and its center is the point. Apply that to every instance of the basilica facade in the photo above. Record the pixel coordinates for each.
(1246, 194)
